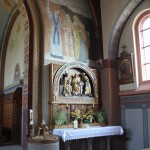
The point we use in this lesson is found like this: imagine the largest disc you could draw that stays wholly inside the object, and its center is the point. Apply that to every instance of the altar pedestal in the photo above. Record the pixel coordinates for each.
(43, 144)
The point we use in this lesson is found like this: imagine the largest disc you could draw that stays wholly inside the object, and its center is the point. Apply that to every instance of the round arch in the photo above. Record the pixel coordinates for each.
(36, 58)
(118, 27)
(77, 65)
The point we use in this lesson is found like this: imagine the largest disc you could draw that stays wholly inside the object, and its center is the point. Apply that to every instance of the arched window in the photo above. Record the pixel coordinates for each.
(142, 34)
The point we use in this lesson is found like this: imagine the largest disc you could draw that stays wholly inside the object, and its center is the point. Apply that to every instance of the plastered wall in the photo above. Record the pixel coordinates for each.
(15, 53)
(127, 38)
(110, 10)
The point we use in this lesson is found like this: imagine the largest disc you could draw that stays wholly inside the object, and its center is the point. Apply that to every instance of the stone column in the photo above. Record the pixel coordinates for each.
(110, 91)
(110, 97)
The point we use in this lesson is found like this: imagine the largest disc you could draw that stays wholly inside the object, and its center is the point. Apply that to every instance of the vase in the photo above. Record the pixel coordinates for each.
(75, 124)
(87, 125)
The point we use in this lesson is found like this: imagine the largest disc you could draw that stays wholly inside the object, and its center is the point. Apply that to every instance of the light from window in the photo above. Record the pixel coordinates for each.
(145, 48)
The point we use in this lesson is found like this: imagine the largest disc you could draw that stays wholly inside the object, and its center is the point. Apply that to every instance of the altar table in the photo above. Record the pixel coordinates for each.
(68, 134)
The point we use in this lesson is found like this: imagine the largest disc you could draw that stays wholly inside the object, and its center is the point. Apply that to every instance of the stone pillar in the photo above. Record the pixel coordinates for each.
(110, 97)
(110, 91)
(38, 60)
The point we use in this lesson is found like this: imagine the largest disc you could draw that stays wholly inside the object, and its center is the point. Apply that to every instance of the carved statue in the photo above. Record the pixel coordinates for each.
(87, 85)
(81, 84)
(75, 84)
(67, 88)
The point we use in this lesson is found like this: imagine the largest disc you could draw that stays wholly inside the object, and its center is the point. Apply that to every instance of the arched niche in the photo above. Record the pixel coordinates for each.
(75, 68)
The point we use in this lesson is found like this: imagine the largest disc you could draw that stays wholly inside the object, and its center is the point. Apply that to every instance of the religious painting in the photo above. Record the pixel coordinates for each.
(70, 32)
(17, 73)
(126, 68)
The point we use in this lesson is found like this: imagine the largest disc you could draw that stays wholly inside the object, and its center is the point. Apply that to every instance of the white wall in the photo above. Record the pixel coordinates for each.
(15, 51)
(127, 39)
(110, 10)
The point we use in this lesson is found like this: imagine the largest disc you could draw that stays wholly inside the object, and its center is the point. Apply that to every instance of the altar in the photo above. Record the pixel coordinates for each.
(69, 134)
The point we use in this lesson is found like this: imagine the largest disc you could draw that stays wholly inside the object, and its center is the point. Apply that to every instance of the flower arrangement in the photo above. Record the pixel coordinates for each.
(75, 114)
(87, 117)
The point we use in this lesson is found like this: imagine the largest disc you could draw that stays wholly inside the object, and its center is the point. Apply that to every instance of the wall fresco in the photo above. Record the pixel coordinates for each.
(6, 8)
(70, 32)
(16, 50)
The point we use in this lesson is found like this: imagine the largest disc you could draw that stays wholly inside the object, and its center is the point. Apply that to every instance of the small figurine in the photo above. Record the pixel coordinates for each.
(43, 129)
(87, 85)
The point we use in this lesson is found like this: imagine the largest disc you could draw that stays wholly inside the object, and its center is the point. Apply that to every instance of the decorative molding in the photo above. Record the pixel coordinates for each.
(72, 100)
(118, 27)
(110, 63)
(12, 89)
(38, 62)
(135, 98)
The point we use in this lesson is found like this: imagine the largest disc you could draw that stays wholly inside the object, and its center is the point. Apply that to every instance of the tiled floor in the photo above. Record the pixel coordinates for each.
(14, 147)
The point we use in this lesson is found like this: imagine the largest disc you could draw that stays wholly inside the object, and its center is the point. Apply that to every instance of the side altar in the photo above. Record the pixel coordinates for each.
(75, 94)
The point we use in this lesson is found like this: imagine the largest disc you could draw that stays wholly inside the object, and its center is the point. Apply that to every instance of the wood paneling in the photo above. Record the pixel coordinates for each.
(12, 110)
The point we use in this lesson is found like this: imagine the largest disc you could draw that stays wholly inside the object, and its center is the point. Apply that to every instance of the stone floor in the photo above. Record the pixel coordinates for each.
(14, 147)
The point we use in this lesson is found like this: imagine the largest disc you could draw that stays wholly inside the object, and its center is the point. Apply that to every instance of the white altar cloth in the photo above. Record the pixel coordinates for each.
(80, 133)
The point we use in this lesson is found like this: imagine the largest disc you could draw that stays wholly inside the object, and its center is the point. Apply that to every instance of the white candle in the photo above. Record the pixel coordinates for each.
(93, 103)
(67, 104)
(75, 124)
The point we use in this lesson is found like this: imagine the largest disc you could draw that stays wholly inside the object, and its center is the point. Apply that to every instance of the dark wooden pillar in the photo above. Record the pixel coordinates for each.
(1, 114)
(110, 91)
(96, 13)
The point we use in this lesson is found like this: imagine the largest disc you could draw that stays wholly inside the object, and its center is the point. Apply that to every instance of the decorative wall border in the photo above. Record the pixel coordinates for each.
(12, 89)
(119, 25)
(110, 63)
(135, 98)
(38, 63)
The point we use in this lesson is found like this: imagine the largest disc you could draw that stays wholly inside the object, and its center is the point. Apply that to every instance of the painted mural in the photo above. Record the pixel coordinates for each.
(70, 31)
(6, 7)
(17, 49)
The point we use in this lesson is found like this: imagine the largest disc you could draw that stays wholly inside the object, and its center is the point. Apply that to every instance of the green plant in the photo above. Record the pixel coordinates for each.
(100, 117)
(60, 118)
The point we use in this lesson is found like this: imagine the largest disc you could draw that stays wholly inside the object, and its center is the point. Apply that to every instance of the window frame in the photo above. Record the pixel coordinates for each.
(137, 31)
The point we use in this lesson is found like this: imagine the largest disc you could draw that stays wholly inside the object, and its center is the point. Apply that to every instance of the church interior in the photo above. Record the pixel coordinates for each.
(81, 65)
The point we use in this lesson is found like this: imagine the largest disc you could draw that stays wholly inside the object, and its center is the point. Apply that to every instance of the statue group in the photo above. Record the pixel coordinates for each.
(76, 85)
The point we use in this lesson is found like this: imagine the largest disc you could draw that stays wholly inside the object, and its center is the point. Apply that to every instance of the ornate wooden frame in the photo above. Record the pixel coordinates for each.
(126, 74)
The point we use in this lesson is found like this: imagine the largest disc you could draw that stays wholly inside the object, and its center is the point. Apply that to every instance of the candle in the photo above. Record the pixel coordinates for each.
(67, 104)
(31, 116)
(93, 103)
